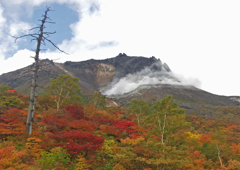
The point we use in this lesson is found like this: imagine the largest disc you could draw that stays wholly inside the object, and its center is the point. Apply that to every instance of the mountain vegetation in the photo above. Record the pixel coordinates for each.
(96, 76)
(82, 133)
(41, 37)
(71, 125)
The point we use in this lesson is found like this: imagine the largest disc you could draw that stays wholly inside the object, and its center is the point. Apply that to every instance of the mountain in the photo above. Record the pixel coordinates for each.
(93, 74)
(123, 78)
(195, 101)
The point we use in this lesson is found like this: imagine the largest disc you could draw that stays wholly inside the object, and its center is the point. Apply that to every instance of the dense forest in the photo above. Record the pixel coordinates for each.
(76, 132)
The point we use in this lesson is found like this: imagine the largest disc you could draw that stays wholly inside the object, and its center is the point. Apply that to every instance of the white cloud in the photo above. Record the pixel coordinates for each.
(18, 28)
(2, 19)
(196, 38)
(2, 22)
(8, 28)
(14, 27)
(147, 77)
(19, 60)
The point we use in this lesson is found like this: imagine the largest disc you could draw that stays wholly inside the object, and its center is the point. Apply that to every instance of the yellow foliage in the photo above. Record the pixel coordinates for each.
(119, 116)
(109, 147)
(82, 165)
(108, 151)
(102, 112)
(33, 147)
(34, 140)
(118, 167)
(193, 136)
(131, 141)
(56, 150)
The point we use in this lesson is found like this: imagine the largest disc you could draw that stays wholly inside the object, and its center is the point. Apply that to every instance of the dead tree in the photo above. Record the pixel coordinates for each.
(41, 37)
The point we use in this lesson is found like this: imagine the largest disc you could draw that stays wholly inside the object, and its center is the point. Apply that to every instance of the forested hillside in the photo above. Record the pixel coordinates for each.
(78, 133)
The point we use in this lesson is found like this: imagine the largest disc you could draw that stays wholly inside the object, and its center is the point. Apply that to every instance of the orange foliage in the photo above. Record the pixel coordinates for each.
(155, 137)
(109, 130)
(205, 138)
(131, 141)
(82, 125)
(199, 160)
(140, 130)
(235, 149)
(13, 122)
(10, 157)
(49, 112)
(195, 154)
(232, 165)
(75, 129)
(90, 111)
(233, 126)
(11, 90)
(33, 147)
(118, 167)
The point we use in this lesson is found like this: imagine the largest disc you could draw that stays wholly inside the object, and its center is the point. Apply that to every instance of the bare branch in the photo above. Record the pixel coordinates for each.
(34, 28)
(43, 42)
(26, 35)
(49, 32)
(50, 22)
(41, 39)
(55, 46)
(34, 39)
(32, 57)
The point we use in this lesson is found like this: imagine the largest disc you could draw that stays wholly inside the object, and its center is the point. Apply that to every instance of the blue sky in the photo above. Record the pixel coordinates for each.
(62, 23)
(61, 15)
(199, 40)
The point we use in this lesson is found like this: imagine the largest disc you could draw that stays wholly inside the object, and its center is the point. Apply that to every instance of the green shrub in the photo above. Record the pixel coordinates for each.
(57, 158)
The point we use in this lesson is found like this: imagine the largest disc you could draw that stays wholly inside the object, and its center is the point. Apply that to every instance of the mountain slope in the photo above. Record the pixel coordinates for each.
(193, 100)
(20, 80)
(123, 78)
(93, 74)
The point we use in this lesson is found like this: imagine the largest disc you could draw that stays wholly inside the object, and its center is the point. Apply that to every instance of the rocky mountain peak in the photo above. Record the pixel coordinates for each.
(94, 75)
(122, 78)
(122, 55)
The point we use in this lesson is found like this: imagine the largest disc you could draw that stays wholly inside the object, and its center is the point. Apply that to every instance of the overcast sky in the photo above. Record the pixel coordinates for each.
(197, 39)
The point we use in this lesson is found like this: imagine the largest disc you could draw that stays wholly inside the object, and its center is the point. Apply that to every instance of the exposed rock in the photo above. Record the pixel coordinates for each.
(95, 74)
(111, 103)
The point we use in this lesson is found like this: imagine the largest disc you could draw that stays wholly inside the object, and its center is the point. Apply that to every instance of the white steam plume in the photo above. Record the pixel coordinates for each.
(147, 77)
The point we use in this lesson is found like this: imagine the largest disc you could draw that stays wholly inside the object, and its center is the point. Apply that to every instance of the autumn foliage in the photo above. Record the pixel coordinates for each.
(75, 111)
(13, 122)
(86, 137)
(75, 141)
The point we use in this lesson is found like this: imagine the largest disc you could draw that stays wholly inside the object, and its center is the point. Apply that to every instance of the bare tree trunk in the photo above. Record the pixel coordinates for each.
(163, 128)
(138, 115)
(41, 36)
(34, 79)
(220, 160)
(32, 102)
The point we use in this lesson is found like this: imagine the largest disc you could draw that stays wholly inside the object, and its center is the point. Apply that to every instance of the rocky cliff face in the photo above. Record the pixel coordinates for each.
(122, 78)
(93, 74)
(100, 73)
(20, 80)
